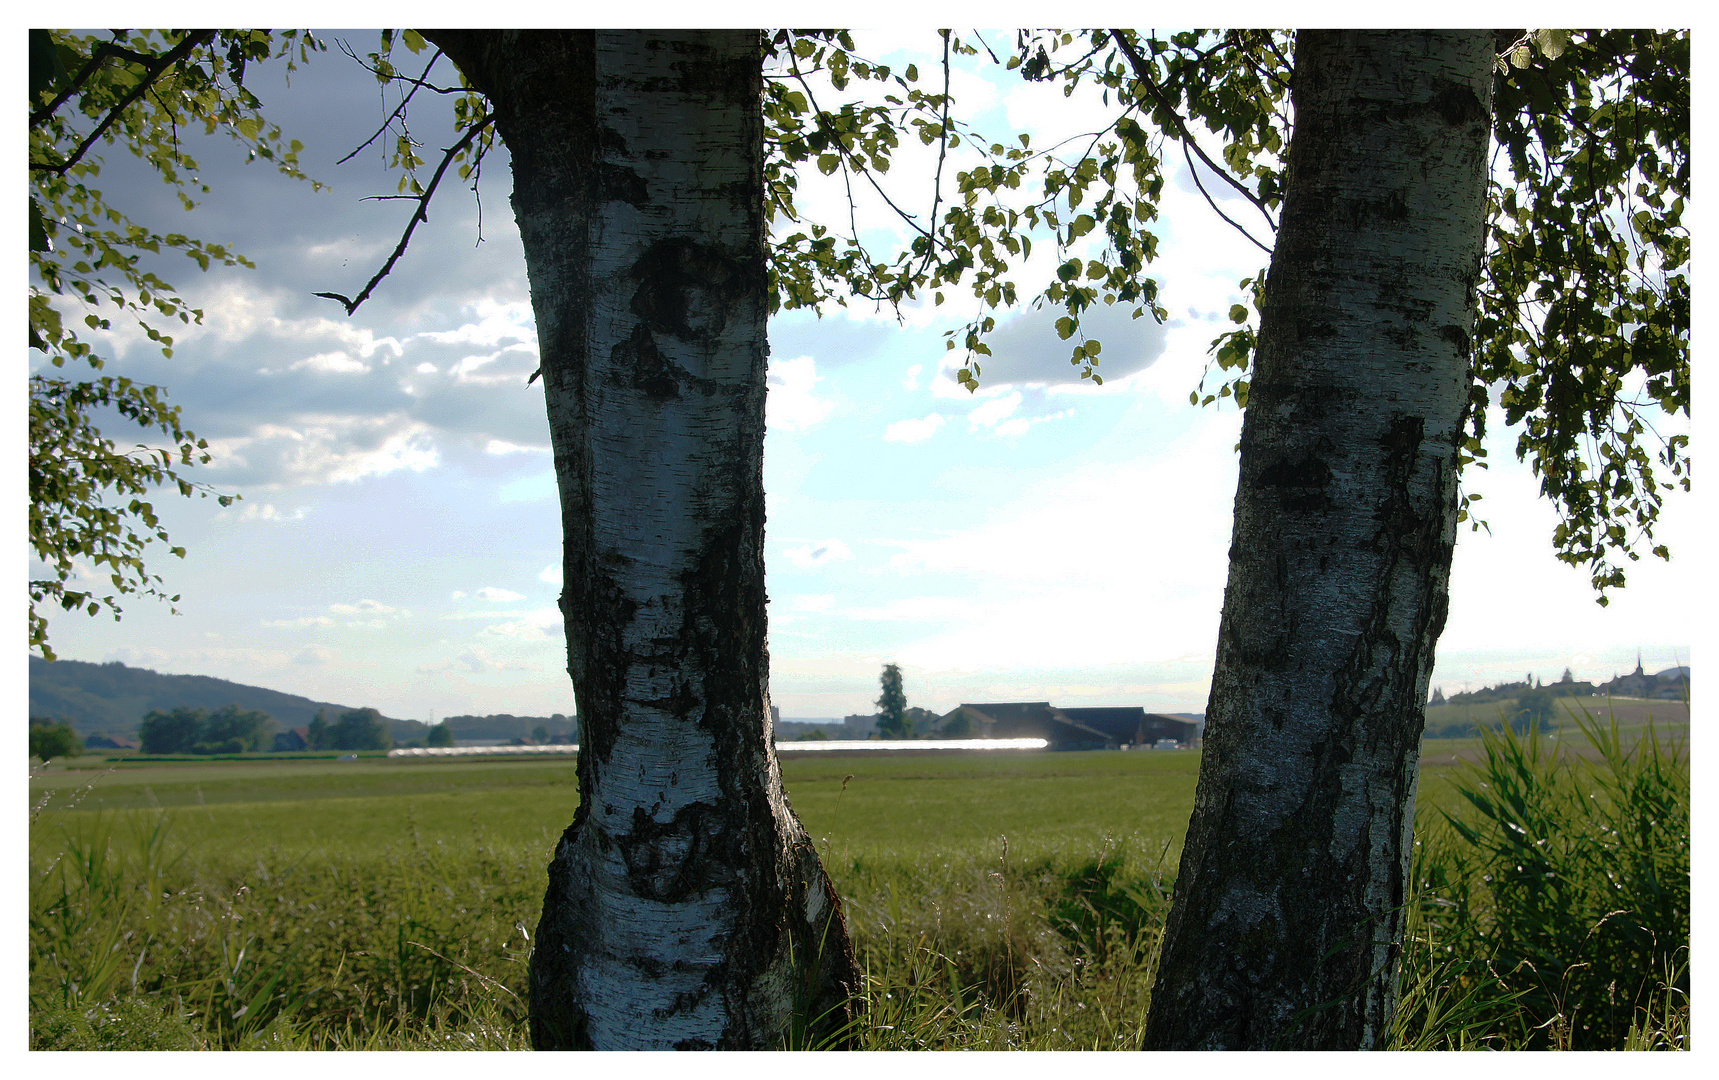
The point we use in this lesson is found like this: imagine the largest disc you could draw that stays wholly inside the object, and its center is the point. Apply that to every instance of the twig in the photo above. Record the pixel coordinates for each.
(942, 153)
(859, 166)
(421, 214)
(418, 82)
(398, 109)
(1195, 173)
(1142, 72)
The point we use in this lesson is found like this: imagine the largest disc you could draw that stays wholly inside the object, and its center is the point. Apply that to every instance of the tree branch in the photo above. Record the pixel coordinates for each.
(415, 83)
(1193, 172)
(152, 72)
(420, 215)
(942, 153)
(102, 52)
(1143, 72)
(398, 109)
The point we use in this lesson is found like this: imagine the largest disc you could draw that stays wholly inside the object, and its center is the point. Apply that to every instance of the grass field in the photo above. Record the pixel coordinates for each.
(997, 900)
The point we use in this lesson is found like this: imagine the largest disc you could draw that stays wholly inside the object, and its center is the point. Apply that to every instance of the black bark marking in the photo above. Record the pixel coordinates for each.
(1459, 339)
(649, 370)
(1460, 105)
(599, 659)
(617, 183)
(726, 605)
(1300, 483)
(686, 288)
(685, 1001)
(1407, 537)
(663, 857)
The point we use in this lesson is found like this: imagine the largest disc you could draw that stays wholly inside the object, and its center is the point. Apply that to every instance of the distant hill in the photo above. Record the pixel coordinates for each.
(112, 698)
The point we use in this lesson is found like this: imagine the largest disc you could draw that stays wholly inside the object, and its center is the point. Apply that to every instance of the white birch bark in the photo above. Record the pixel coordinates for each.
(686, 906)
(1287, 919)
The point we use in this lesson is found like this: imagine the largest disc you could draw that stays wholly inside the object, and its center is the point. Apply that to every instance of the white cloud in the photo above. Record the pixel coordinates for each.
(812, 602)
(1019, 425)
(327, 449)
(920, 608)
(315, 655)
(535, 625)
(333, 363)
(307, 620)
(913, 431)
(1121, 565)
(497, 595)
(363, 607)
(791, 404)
(551, 574)
(496, 324)
(992, 412)
(910, 381)
(811, 556)
(267, 512)
(411, 449)
(486, 369)
(502, 446)
(476, 660)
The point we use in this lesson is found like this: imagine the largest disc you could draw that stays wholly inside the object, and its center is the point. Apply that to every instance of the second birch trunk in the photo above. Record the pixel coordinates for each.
(1288, 914)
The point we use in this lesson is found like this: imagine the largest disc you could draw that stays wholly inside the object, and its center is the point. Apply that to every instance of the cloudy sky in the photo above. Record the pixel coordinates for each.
(397, 541)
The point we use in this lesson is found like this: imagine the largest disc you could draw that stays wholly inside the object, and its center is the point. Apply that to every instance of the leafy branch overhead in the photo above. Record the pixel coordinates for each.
(89, 260)
(1583, 326)
(1583, 331)
(472, 119)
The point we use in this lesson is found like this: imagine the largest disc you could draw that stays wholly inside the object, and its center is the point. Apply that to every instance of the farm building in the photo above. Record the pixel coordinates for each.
(111, 742)
(297, 738)
(1073, 728)
(1026, 720)
(1134, 726)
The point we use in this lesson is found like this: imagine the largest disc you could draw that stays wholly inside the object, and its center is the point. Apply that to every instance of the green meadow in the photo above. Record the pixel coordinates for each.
(997, 900)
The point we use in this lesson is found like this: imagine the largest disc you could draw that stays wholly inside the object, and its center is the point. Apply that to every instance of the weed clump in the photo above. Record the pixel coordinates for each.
(1557, 899)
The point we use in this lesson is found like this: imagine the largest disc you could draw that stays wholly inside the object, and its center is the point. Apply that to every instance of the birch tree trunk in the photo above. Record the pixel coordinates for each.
(1288, 912)
(686, 906)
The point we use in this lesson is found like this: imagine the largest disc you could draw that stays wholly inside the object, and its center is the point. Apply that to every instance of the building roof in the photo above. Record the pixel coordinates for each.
(1121, 723)
(1030, 719)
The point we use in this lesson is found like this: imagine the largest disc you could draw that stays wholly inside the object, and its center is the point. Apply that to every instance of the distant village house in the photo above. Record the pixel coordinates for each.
(297, 738)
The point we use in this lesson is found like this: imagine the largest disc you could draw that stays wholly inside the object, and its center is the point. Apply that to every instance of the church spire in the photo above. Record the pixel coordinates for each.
(1638, 670)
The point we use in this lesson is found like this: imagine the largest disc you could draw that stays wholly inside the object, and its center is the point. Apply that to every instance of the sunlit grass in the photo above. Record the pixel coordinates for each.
(995, 902)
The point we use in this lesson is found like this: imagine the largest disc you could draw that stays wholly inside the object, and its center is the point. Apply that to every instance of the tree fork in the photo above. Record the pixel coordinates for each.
(686, 906)
(1288, 914)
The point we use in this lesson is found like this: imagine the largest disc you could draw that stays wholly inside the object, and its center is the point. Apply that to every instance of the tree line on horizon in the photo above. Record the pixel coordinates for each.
(232, 730)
